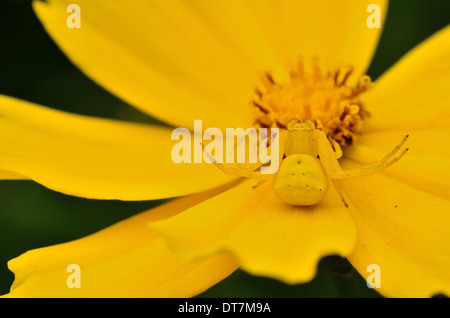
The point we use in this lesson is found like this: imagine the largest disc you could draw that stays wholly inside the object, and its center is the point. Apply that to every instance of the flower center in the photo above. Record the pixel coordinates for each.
(319, 94)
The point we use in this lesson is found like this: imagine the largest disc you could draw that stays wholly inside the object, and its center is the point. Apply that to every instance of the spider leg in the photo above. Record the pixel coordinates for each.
(339, 189)
(238, 169)
(394, 151)
(389, 155)
(329, 161)
(260, 182)
(372, 167)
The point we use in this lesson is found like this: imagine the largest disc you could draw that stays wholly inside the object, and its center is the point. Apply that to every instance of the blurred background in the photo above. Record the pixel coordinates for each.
(31, 216)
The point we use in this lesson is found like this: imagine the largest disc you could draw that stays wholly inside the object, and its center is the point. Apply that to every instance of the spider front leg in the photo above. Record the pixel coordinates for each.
(336, 173)
(241, 170)
(245, 170)
(372, 167)
(329, 161)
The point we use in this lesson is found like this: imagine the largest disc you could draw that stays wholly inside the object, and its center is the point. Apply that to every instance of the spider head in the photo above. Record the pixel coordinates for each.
(301, 125)
(299, 138)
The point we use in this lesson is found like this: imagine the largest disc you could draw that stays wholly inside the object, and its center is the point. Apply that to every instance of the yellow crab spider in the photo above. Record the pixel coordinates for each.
(308, 162)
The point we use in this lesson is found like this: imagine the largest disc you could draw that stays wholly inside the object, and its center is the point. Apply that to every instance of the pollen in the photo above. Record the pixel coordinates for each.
(319, 94)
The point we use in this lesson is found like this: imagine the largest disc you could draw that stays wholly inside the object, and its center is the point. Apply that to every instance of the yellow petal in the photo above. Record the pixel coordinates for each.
(270, 35)
(404, 231)
(335, 31)
(8, 175)
(95, 158)
(124, 260)
(426, 166)
(208, 52)
(250, 35)
(268, 237)
(413, 94)
(158, 56)
(426, 142)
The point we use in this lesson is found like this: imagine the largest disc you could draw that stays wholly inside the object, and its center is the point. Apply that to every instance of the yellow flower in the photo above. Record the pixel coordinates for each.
(201, 59)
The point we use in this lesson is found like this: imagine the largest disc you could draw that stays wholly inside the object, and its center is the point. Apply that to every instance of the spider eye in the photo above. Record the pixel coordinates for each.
(301, 180)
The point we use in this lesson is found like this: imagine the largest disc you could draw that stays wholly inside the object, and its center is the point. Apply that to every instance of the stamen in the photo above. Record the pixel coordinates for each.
(319, 94)
(347, 75)
(260, 107)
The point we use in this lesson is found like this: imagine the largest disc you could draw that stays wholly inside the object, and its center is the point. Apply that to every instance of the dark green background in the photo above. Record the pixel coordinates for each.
(31, 216)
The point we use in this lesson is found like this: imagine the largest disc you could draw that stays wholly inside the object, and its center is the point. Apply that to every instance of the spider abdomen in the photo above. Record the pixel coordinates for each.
(300, 180)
